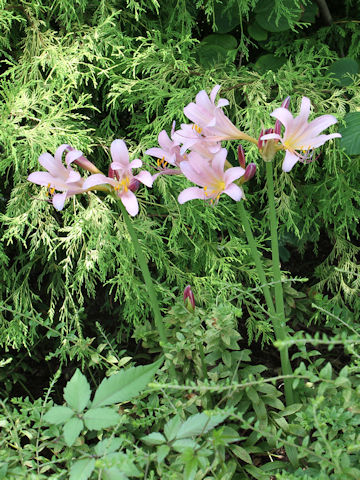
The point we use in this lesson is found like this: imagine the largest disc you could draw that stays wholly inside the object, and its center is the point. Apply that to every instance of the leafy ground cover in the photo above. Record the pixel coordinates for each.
(107, 372)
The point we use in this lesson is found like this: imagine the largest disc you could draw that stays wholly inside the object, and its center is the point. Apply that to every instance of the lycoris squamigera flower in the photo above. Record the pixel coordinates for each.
(301, 137)
(169, 151)
(210, 120)
(58, 176)
(123, 182)
(211, 177)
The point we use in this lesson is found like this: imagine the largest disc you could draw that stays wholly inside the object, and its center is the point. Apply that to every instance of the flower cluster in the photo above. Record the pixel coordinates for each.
(194, 150)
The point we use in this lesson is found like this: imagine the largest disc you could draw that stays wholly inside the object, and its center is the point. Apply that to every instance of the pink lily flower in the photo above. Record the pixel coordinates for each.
(191, 138)
(169, 151)
(211, 121)
(58, 177)
(123, 182)
(301, 135)
(211, 177)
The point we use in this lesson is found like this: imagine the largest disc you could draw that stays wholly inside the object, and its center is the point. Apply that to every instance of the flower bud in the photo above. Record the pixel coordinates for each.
(261, 142)
(189, 299)
(241, 156)
(249, 172)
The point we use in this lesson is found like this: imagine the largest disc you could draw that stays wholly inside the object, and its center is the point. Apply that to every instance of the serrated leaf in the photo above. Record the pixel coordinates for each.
(108, 445)
(77, 391)
(341, 69)
(98, 418)
(125, 385)
(71, 430)
(162, 452)
(154, 438)
(82, 469)
(350, 140)
(172, 427)
(326, 372)
(184, 444)
(123, 463)
(58, 414)
(241, 453)
(113, 474)
(199, 424)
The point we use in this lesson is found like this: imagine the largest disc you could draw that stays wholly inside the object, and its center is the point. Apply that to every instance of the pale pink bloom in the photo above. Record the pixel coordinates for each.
(301, 135)
(169, 150)
(211, 177)
(192, 138)
(124, 182)
(58, 177)
(211, 121)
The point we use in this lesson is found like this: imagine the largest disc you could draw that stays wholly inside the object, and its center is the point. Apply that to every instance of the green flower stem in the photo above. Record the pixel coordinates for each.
(148, 282)
(281, 330)
(279, 333)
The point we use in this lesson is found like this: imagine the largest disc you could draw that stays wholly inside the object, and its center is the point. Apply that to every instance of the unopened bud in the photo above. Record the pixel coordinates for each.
(189, 299)
(286, 103)
(241, 156)
(249, 172)
(134, 184)
(112, 173)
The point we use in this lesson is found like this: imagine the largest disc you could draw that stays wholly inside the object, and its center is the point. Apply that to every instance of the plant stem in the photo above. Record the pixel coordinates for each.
(148, 283)
(280, 330)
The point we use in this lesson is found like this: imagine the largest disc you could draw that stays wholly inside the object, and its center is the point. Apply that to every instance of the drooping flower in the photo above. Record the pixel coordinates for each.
(212, 177)
(301, 137)
(123, 182)
(58, 177)
(210, 120)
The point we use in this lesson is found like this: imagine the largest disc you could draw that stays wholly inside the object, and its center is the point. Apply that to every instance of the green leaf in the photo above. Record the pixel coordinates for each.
(77, 391)
(3, 470)
(154, 438)
(98, 418)
(71, 430)
(241, 453)
(109, 445)
(350, 140)
(172, 427)
(326, 372)
(257, 32)
(266, 17)
(82, 469)
(228, 42)
(310, 12)
(214, 49)
(161, 452)
(124, 385)
(291, 452)
(58, 414)
(124, 463)
(198, 424)
(341, 69)
(226, 19)
(113, 474)
(295, 407)
(269, 62)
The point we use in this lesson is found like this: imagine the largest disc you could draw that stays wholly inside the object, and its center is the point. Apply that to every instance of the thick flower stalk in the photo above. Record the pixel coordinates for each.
(300, 137)
(124, 182)
(212, 177)
(59, 177)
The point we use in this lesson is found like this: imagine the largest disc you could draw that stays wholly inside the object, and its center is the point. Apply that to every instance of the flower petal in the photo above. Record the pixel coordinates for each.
(98, 179)
(234, 192)
(72, 155)
(130, 202)
(119, 152)
(321, 123)
(41, 178)
(232, 174)
(60, 150)
(145, 177)
(137, 163)
(305, 109)
(283, 115)
(54, 167)
(191, 193)
(73, 176)
(164, 141)
(214, 92)
(289, 161)
(59, 200)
